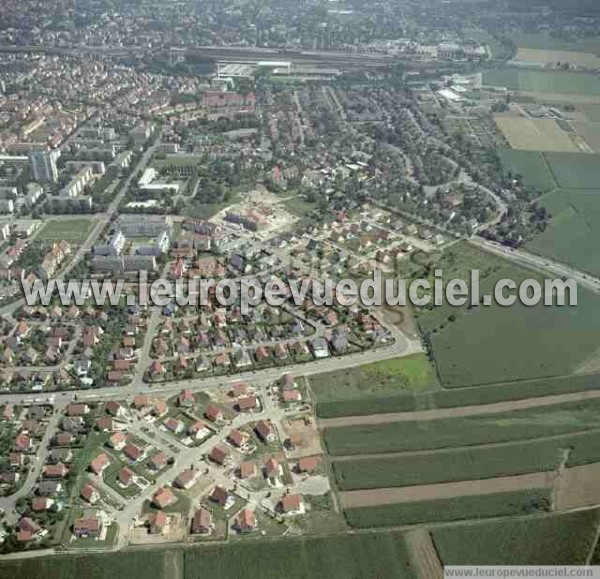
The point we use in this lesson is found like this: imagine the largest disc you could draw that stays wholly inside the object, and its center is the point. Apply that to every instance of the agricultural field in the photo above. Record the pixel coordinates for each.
(72, 230)
(344, 557)
(472, 430)
(540, 81)
(544, 41)
(590, 133)
(557, 539)
(531, 165)
(467, 353)
(450, 465)
(574, 170)
(572, 235)
(337, 408)
(535, 134)
(454, 509)
(552, 57)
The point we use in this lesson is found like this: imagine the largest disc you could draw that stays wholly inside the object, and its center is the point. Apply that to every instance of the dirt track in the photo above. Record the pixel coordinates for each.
(374, 497)
(461, 411)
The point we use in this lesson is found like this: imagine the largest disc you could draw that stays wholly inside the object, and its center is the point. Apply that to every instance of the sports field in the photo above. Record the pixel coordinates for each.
(72, 230)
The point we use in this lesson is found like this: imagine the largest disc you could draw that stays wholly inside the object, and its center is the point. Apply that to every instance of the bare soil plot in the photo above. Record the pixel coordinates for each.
(386, 496)
(535, 134)
(308, 443)
(583, 59)
(578, 487)
(436, 413)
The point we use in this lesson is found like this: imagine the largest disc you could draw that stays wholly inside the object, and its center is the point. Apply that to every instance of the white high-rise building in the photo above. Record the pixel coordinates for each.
(43, 165)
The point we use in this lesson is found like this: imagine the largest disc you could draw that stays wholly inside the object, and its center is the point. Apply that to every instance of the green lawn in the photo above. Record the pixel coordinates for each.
(563, 539)
(472, 430)
(521, 79)
(458, 508)
(448, 465)
(72, 230)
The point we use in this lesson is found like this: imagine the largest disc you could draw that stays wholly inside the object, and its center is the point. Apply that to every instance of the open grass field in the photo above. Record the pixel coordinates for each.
(591, 112)
(370, 388)
(450, 465)
(572, 235)
(558, 539)
(72, 230)
(519, 79)
(530, 165)
(453, 509)
(526, 342)
(465, 431)
(535, 134)
(552, 57)
(574, 170)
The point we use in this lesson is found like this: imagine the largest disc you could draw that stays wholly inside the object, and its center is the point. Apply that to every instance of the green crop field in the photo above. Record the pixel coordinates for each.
(572, 235)
(574, 170)
(530, 165)
(463, 431)
(564, 539)
(544, 41)
(71, 230)
(381, 555)
(489, 344)
(147, 564)
(475, 463)
(471, 396)
(543, 81)
(343, 557)
(454, 509)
